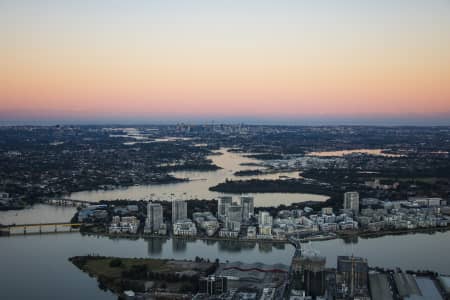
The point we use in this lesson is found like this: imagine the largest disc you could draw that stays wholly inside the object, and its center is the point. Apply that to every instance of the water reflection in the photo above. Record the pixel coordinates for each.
(265, 247)
(409, 252)
(352, 239)
(155, 245)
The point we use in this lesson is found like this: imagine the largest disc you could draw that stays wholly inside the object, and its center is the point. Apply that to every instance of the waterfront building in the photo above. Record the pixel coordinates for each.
(352, 276)
(227, 233)
(264, 218)
(206, 221)
(247, 204)
(92, 213)
(184, 227)
(233, 217)
(265, 232)
(265, 223)
(251, 232)
(124, 225)
(154, 220)
(222, 206)
(179, 210)
(351, 202)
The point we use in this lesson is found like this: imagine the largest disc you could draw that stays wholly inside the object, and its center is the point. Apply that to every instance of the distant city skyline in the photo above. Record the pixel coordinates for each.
(349, 62)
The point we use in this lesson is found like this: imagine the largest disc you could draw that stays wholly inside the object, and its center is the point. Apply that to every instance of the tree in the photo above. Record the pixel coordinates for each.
(115, 263)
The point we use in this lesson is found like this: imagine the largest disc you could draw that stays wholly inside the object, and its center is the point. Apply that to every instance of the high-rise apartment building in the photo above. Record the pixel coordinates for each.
(351, 201)
(154, 217)
(179, 210)
(352, 272)
(312, 273)
(233, 217)
(247, 204)
(222, 206)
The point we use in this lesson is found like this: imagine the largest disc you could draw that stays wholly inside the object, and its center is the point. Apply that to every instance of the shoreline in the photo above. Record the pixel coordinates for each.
(366, 234)
(337, 235)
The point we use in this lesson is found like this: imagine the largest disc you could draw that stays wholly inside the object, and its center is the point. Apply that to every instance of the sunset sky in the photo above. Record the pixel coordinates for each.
(150, 60)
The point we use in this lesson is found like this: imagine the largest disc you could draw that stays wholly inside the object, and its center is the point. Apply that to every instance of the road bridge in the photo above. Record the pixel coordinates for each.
(40, 228)
(68, 202)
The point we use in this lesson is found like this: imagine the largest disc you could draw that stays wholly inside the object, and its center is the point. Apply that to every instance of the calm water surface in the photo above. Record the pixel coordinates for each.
(347, 152)
(38, 213)
(38, 267)
(43, 258)
(198, 187)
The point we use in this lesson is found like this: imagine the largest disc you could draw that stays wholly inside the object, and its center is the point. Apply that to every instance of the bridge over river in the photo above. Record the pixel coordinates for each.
(40, 228)
(68, 202)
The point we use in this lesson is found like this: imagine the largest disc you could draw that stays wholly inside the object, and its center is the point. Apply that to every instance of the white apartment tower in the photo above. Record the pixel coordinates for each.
(154, 216)
(179, 210)
(351, 201)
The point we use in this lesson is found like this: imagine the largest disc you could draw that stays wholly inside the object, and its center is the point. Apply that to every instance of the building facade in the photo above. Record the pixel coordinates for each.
(179, 210)
(248, 210)
(351, 201)
(154, 220)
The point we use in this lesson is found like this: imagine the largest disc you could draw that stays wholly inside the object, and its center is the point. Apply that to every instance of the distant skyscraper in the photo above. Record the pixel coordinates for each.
(154, 216)
(351, 201)
(179, 210)
(354, 274)
(247, 207)
(222, 206)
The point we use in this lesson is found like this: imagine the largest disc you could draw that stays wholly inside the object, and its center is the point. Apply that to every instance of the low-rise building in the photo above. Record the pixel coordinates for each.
(124, 225)
(206, 221)
(184, 227)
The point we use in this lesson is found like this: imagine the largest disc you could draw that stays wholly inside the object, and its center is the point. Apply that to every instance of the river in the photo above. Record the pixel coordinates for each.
(38, 213)
(200, 182)
(36, 266)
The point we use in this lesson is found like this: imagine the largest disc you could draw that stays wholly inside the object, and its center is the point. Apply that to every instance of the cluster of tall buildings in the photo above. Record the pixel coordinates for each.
(348, 281)
(233, 214)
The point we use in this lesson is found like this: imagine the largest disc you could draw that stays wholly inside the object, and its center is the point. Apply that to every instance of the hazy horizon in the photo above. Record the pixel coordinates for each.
(253, 61)
(440, 120)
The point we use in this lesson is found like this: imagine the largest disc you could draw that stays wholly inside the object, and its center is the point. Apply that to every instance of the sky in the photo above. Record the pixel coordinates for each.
(286, 61)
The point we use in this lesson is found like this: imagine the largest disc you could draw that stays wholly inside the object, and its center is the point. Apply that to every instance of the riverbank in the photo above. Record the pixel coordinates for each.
(366, 234)
(313, 238)
(188, 238)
